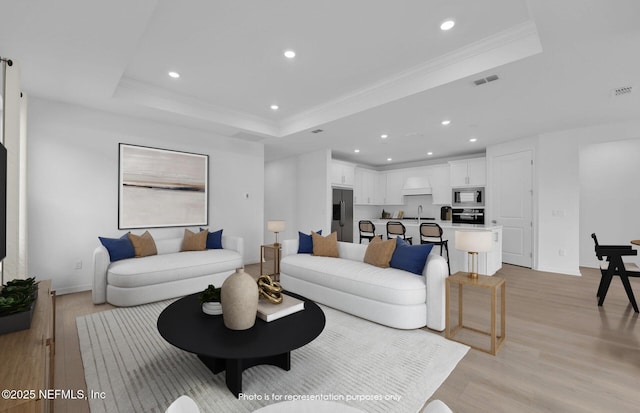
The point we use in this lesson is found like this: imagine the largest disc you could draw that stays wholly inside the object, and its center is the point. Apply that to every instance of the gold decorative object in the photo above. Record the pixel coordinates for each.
(269, 289)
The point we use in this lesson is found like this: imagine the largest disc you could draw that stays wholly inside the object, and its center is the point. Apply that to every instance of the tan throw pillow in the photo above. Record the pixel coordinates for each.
(194, 241)
(143, 244)
(379, 252)
(325, 246)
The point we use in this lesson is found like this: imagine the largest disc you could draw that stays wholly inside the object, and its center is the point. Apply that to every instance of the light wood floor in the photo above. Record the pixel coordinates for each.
(562, 352)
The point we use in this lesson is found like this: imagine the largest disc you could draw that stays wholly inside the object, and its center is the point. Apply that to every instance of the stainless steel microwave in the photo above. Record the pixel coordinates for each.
(467, 197)
(468, 216)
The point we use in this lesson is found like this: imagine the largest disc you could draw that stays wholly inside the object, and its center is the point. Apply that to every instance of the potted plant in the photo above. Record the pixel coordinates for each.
(210, 300)
(28, 285)
(17, 300)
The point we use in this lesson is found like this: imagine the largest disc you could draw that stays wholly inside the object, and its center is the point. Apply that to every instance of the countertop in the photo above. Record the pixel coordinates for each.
(409, 223)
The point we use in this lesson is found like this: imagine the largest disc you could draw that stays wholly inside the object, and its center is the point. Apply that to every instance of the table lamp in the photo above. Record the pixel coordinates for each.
(275, 226)
(474, 242)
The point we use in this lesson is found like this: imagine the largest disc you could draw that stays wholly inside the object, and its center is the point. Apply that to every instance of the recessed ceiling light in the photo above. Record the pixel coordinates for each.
(429, 153)
(389, 159)
(445, 122)
(473, 140)
(289, 54)
(174, 75)
(356, 150)
(384, 136)
(275, 107)
(447, 25)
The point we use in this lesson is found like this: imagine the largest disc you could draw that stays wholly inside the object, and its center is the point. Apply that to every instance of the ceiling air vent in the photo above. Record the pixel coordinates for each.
(484, 80)
(317, 131)
(621, 91)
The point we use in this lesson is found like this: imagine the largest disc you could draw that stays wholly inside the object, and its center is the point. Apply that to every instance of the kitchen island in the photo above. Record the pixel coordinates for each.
(488, 263)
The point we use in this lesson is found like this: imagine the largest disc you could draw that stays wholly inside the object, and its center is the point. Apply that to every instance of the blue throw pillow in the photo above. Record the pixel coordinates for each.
(119, 248)
(410, 258)
(305, 243)
(214, 240)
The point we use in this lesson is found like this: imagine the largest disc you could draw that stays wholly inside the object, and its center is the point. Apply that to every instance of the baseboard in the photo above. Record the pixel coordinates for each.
(74, 289)
(563, 271)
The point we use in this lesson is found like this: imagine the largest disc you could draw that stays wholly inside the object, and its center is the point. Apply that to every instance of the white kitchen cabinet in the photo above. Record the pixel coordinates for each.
(477, 171)
(459, 174)
(440, 179)
(365, 187)
(358, 187)
(342, 174)
(395, 182)
(380, 188)
(468, 172)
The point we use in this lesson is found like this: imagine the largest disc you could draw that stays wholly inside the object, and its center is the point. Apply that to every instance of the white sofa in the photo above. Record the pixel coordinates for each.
(388, 296)
(169, 274)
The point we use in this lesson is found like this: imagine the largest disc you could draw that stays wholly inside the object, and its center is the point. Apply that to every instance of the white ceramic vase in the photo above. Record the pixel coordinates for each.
(239, 298)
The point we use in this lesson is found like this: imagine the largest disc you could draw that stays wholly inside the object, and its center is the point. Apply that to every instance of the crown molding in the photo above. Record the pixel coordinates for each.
(515, 43)
(150, 96)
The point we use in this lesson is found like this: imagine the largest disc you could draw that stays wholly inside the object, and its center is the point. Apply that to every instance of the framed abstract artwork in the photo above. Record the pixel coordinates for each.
(161, 188)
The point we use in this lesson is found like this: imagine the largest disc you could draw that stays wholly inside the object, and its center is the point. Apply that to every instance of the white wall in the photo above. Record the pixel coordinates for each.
(609, 196)
(314, 191)
(73, 185)
(566, 164)
(558, 186)
(298, 190)
(280, 186)
(561, 188)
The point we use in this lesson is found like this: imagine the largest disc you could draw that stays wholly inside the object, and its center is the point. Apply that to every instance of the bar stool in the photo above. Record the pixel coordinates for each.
(431, 233)
(397, 229)
(367, 230)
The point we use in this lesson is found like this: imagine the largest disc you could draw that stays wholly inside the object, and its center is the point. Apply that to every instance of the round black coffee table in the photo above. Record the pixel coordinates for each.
(184, 325)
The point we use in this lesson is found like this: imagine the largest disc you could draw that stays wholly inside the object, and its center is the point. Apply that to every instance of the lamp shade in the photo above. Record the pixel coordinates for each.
(474, 241)
(275, 226)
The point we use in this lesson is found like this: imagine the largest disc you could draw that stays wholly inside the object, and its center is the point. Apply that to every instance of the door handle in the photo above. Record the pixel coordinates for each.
(343, 211)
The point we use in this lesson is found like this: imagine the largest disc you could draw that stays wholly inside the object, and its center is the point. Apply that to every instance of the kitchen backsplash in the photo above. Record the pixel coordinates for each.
(410, 208)
(428, 209)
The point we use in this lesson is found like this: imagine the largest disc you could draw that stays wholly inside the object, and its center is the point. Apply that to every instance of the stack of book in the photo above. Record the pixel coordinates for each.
(268, 311)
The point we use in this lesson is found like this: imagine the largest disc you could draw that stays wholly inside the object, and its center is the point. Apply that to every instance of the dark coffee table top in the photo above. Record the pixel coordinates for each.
(184, 325)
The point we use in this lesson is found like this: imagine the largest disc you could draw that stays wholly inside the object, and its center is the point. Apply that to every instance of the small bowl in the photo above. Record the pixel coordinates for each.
(212, 308)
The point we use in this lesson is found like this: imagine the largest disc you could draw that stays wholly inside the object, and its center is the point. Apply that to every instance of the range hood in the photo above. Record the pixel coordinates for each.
(417, 185)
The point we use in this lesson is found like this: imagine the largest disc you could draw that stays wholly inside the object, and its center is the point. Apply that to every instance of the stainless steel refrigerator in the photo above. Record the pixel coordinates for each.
(342, 221)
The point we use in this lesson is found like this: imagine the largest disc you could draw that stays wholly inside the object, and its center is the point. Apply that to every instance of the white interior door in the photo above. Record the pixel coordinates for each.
(512, 200)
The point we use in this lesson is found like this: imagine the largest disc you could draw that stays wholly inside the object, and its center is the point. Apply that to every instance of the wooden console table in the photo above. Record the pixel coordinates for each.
(27, 357)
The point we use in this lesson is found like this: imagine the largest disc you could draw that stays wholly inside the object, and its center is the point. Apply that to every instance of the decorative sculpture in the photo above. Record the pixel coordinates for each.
(269, 289)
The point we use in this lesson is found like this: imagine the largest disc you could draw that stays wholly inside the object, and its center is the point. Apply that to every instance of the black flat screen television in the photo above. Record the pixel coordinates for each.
(3, 202)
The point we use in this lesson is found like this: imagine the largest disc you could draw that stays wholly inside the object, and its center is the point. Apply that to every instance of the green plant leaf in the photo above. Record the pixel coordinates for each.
(210, 294)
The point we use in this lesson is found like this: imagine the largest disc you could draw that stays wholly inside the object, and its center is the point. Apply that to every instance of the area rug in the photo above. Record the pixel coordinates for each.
(353, 361)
